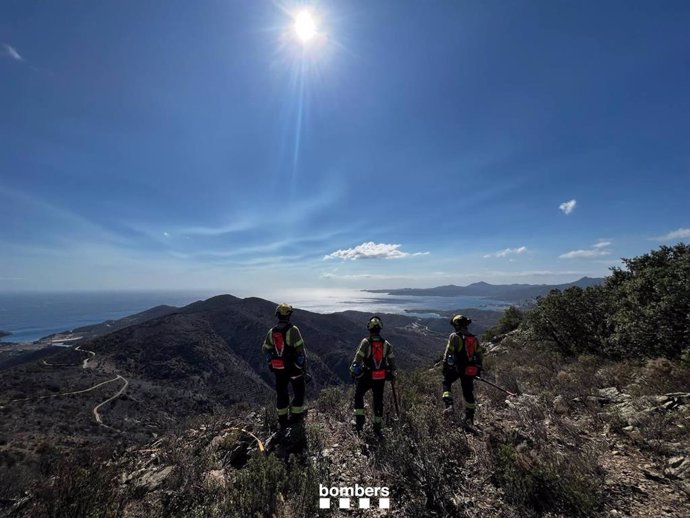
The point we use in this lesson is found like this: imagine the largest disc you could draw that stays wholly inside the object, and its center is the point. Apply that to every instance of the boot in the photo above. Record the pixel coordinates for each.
(296, 419)
(283, 422)
(468, 422)
(358, 423)
(449, 407)
(378, 430)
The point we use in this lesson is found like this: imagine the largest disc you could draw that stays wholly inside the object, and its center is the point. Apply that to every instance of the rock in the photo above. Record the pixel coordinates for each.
(653, 475)
(152, 480)
(612, 395)
(684, 397)
(678, 467)
(560, 406)
(216, 477)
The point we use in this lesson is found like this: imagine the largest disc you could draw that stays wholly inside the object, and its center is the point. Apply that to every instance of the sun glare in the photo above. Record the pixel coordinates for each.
(305, 26)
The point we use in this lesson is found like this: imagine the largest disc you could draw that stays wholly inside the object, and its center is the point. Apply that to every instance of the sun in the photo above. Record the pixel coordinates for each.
(305, 28)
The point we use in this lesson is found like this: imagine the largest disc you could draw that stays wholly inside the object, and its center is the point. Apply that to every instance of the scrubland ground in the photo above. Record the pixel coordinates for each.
(584, 437)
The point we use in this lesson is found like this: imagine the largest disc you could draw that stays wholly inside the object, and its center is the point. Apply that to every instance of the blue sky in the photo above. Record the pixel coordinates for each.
(176, 144)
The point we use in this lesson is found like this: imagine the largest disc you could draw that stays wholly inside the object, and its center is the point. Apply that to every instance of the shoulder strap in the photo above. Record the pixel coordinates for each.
(470, 342)
(380, 356)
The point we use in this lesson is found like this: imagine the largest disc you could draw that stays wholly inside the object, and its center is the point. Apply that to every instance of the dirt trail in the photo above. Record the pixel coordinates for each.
(67, 393)
(86, 360)
(97, 416)
(85, 365)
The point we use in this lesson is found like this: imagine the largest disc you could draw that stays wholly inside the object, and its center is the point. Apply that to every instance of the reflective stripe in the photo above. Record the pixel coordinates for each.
(447, 394)
(282, 411)
(296, 409)
(470, 405)
(377, 419)
(299, 343)
(359, 411)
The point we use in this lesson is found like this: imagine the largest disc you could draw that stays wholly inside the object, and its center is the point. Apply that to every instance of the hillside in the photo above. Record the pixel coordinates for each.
(163, 371)
(506, 292)
(175, 416)
(109, 326)
(584, 437)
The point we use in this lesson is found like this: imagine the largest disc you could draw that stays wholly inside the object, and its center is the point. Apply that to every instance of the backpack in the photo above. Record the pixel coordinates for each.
(378, 359)
(470, 348)
(279, 342)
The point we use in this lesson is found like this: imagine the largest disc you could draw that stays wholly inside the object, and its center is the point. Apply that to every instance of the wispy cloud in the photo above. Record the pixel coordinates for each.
(568, 206)
(598, 249)
(602, 244)
(10, 52)
(371, 250)
(681, 233)
(583, 254)
(507, 251)
(231, 228)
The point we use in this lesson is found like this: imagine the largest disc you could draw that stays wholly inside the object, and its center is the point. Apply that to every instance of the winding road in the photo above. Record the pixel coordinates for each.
(97, 416)
(85, 365)
(86, 360)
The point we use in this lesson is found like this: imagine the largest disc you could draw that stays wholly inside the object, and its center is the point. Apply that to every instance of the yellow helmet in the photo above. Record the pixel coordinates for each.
(460, 321)
(375, 322)
(283, 310)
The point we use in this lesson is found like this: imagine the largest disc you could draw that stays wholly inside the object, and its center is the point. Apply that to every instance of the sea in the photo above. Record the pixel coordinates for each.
(29, 316)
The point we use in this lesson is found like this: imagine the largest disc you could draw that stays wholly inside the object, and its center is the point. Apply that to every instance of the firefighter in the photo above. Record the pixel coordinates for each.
(373, 364)
(283, 351)
(462, 360)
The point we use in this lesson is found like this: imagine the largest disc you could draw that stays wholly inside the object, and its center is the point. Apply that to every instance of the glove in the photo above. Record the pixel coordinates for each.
(391, 375)
(299, 361)
(356, 371)
(479, 371)
(268, 357)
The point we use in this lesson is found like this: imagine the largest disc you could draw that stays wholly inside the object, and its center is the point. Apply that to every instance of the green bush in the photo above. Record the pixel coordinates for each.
(652, 316)
(509, 321)
(641, 311)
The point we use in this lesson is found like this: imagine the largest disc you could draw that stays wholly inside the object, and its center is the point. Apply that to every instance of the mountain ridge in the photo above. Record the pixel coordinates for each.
(506, 292)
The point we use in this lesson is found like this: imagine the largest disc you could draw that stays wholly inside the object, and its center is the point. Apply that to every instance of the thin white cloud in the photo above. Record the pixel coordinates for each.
(230, 228)
(602, 244)
(583, 254)
(681, 233)
(507, 251)
(377, 276)
(598, 249)
(568, 206)
(371, 250)
(10, 52)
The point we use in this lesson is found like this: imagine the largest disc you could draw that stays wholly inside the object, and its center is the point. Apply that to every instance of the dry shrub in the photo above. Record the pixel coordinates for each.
(543, 464)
